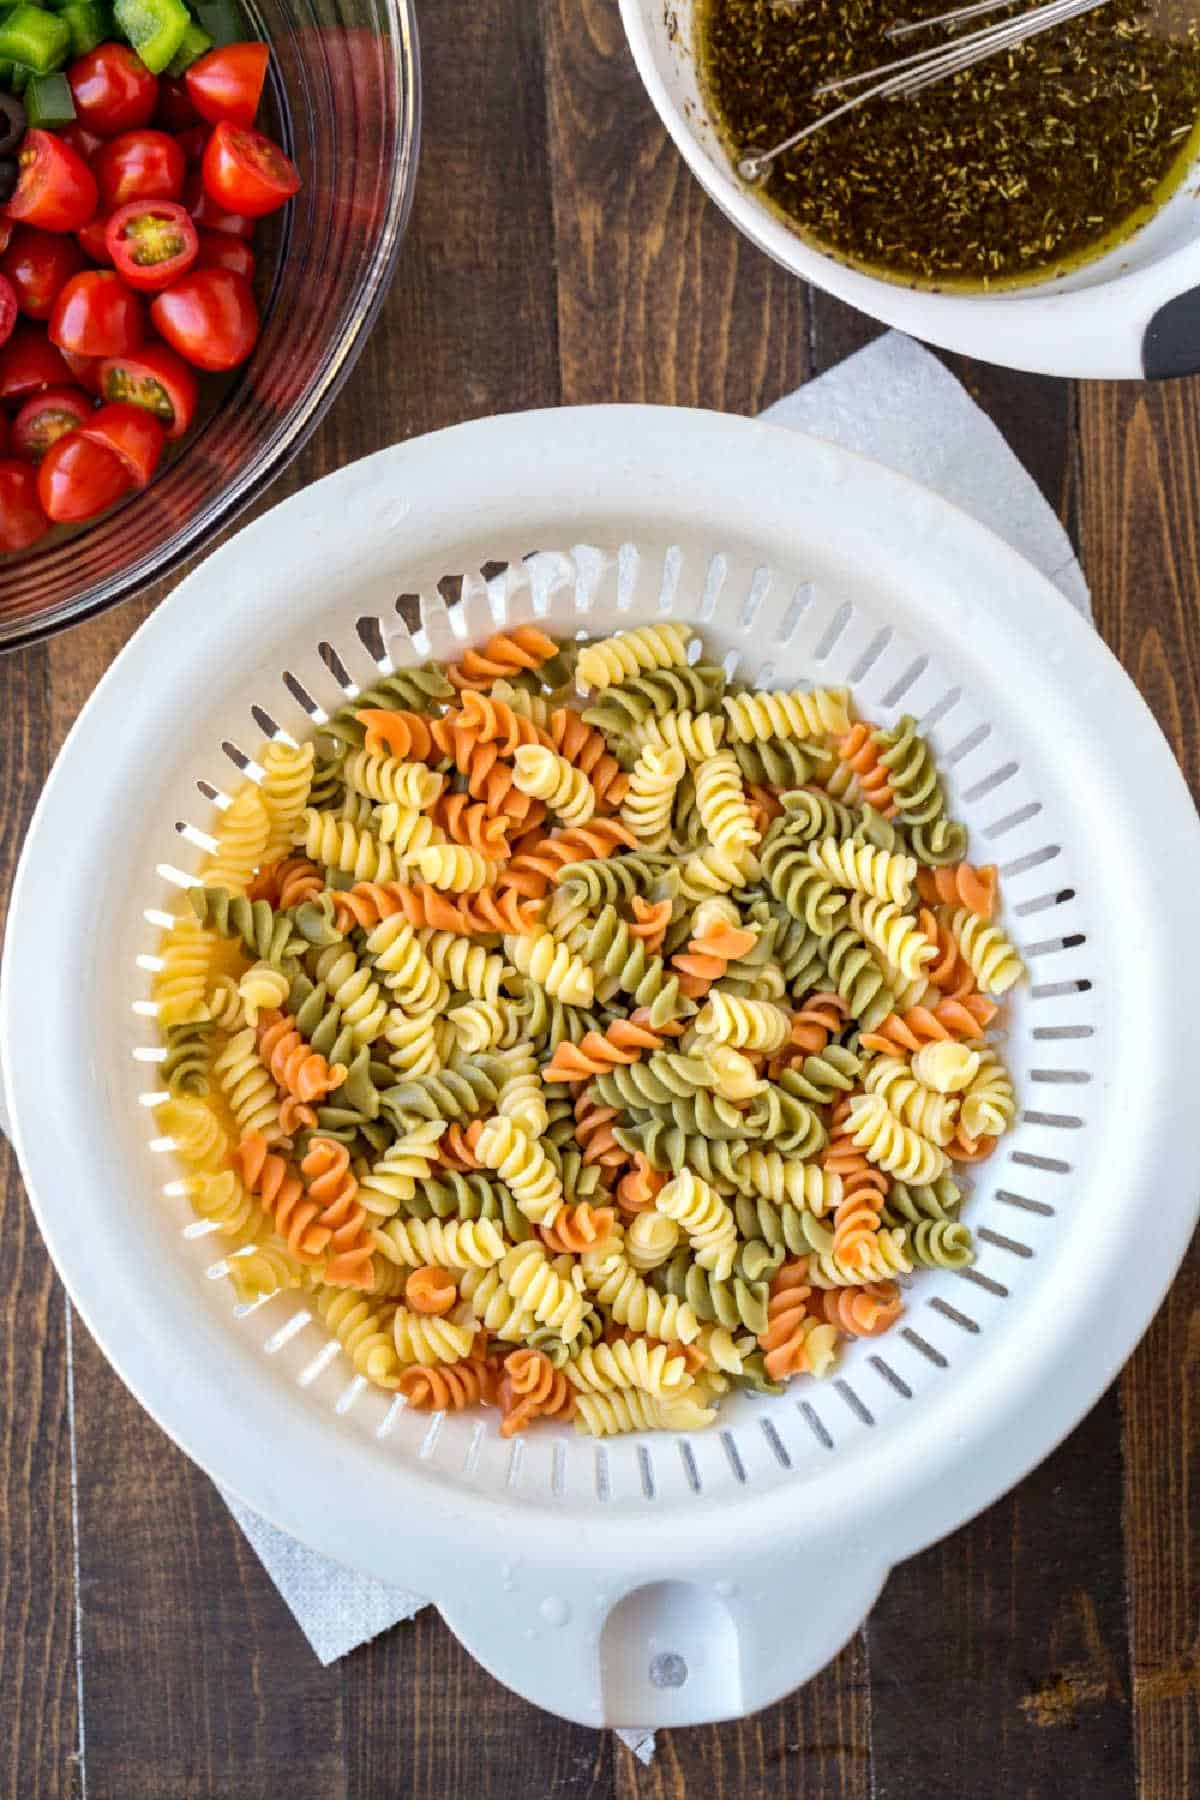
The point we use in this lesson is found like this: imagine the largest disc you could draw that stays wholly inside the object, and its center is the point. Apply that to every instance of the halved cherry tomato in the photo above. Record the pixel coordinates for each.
(209, 316)
(83, 369)
(92, 239)
(245, 172)
(192, 142)
(38, 263)
(113, 90)
(228, 83)
(97, 315)
(151, 243)
(175, 110)
(55, 188)
(29, 362)
(78, 478)
(22, 521)
(218, 250)
(8, 309)
(80, 138)
(208, 215)
(132, 434)
(139, 165)
(153, 377)
(45, 418)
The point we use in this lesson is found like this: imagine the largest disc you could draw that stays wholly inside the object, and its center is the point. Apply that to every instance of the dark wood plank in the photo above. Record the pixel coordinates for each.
(1006, 1643)
(1140, 519)
(815, 1745)
(39, 1733)
(659, 299)
(425, 1723)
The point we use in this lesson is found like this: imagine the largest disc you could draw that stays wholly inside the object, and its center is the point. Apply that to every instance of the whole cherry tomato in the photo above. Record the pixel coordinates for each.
(22, 521)
(77, 479)
(8, 309)
(218, 250)
(92, 238)
(209, 316)
(228, 83)
(38, 264)
(156, 378)
(55, 188)
(131, 433)
(46, 417)
(245, 172)
(175, 110)
(97, 315)
(85, 370)
(29, 362)
(113, 90)
(152, 243)
(139, 165)
(208, 215)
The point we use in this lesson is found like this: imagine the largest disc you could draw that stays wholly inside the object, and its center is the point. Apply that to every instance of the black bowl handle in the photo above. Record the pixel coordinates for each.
(1171, 341)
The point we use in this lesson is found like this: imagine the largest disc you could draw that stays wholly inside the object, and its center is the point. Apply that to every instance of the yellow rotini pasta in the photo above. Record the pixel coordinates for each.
(641, 1018)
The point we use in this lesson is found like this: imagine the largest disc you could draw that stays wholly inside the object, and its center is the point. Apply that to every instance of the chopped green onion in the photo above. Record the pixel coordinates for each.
(48, 101)
(36, 39)
(155, 28)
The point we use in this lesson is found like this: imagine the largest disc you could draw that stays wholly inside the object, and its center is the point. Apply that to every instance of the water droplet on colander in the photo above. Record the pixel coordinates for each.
(508, 1577)
(554, 1610)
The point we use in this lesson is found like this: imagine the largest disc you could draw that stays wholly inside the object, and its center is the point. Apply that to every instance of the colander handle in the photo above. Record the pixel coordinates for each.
(678, 1648)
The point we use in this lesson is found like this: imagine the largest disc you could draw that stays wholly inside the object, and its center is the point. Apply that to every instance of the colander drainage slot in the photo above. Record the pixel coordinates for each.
(603, 1480)
(890, 1376)
(756, 594)
(1014, 1246)
(646, 1471)
(978, 1279)
(688, 1458)
(731, 1451)
(1033, 859)
(910, 677)
(262, 718)
(1044, 902)
(1022, 816)
(991, 782)
(1055, 1121)
(336, 666)
(926, 1349)
(714, 581)
(1062, 1077)
(1051, 1033)
(301, 695)
(1057, 990)
(1051, 946)
(971, 742)
(777, 1445)
(939, 709)
(964, 1321)
(854, 1403)
(833, 631)
(816, 1424)
(799, 604)
(1024, 1203)
(870, 656)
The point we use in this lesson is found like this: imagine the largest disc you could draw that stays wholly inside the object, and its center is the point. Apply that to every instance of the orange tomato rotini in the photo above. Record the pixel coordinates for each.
(467, 821)
(448, 1387)
(587, 749)
(282, 1194)
(505, 654)
(405, 735)
(430, 1290)
(637, 1191)
(966, 1019)
(862, 1311)
(578, 1228)
(649, 922)
(326, 1171)
(784, 1339)
(961, 884)
(295, 1065)
(706, 958)
(623, 1042)
(530, 1388)
(859, 750)
(593, 1131)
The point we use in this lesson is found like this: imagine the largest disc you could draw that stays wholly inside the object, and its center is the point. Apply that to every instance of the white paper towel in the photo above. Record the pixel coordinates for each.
(892, 401)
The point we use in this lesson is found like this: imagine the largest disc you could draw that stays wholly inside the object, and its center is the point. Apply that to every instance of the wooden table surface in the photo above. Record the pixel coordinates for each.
(560, 253)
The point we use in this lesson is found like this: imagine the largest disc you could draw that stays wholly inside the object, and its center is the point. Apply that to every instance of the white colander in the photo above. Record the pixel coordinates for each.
(1134, 311)
(656, 1580)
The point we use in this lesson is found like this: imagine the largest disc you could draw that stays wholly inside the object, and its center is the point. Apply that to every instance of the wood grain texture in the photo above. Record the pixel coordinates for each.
(659, 300)
(39, 1721)
(1140, 524)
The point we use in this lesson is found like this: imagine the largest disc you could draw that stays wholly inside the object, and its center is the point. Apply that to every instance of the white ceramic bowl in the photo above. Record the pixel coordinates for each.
(1132, 312)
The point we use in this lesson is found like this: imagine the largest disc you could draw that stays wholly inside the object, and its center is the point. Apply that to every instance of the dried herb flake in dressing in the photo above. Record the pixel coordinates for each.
(1025, 165)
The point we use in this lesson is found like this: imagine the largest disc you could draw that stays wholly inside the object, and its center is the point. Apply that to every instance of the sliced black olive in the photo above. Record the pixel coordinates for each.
(12, 124)
(8, 177)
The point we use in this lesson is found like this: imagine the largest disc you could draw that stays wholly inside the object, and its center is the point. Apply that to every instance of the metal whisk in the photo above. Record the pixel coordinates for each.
(909, 74)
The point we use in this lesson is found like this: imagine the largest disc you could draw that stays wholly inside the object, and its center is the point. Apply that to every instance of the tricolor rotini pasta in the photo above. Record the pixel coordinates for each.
(590, 1035)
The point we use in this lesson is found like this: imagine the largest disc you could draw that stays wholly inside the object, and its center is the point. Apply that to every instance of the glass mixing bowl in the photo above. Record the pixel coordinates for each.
(344, 100)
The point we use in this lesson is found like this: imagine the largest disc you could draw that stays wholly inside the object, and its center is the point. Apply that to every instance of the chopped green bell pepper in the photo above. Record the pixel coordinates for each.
(90, 25)
(195, 43)
(48, 101)
(155, 28)
(36, 39)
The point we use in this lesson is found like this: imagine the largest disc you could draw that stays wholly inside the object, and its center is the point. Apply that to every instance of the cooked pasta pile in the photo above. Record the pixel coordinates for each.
(588, 1034)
